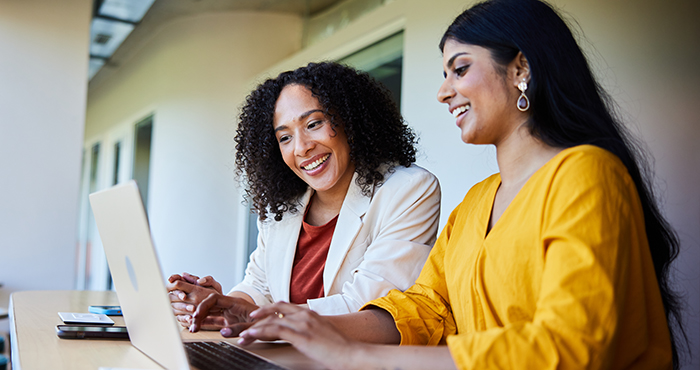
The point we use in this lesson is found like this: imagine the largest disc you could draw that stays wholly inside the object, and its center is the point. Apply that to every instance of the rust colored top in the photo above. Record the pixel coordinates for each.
(310, 261)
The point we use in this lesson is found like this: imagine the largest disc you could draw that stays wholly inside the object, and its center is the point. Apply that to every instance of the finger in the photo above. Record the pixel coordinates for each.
(203, 310)
(213, 323)
(268, 330)
(206, 281)
(184, 320)
(183, 308)
(275, 309)
(181, 285)
(173, 295)
(177, 296)
(174, 277)
(209, 281)
(235, 329)
(192, 279)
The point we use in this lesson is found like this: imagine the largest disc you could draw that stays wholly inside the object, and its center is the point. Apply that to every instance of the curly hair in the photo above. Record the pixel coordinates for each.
(376, 132)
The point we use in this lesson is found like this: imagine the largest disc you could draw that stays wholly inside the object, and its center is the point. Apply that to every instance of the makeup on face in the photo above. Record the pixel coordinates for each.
(316, 150)
(476, 94)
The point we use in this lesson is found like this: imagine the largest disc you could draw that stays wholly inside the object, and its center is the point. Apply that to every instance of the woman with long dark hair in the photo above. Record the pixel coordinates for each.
(559, 261)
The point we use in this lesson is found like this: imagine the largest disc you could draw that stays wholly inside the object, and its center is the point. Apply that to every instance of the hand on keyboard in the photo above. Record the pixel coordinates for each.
(231, 312)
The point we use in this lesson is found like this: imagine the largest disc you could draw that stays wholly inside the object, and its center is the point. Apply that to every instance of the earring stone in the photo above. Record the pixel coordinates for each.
(523, 102)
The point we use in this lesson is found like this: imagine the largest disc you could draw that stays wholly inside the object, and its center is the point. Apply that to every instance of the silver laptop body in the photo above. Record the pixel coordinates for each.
(126, 238)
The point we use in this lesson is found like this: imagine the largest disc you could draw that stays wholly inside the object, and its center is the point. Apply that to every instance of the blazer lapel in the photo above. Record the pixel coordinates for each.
(349, 224)
(281, 248)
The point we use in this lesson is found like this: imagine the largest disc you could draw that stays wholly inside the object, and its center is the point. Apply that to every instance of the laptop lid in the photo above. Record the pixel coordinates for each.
(126, 238)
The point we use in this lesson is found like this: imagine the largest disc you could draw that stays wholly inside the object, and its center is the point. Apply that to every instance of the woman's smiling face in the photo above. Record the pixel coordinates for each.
(478, 95)
(315, 150)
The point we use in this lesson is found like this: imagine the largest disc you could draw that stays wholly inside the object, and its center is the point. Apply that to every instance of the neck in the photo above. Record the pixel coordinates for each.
(330, 202)
(520, 155)
(327, 204)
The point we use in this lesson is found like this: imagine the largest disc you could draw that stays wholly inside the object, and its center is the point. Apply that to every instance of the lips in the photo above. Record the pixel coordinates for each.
(459, 110)
(314, 164)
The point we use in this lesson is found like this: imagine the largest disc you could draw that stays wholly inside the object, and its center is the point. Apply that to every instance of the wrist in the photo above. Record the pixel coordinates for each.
(360, 356)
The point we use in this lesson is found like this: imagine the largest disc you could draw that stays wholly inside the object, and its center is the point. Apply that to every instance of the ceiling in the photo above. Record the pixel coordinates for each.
(164, 11)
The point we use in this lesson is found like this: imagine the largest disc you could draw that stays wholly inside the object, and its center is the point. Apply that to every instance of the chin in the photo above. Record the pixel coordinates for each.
(467, 139)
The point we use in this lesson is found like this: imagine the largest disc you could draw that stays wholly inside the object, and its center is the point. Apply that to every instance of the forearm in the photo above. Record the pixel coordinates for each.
(373, 325)
(241, 295)
(372, 356)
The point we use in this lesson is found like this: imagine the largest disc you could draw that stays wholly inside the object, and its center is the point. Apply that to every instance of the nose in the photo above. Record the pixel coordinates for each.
(446, 92)
(303, 144)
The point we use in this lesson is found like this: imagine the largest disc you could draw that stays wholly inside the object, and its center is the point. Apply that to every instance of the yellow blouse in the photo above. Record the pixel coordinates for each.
(563, 280)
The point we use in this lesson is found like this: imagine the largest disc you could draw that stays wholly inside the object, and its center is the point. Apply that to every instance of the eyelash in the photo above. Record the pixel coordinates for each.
(461, 70)
(312, 125)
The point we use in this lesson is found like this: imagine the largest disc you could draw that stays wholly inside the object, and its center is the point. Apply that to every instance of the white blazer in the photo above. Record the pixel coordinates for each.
(380, 243)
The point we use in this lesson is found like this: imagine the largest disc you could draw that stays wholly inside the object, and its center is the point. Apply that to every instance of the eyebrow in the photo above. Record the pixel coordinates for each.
(301, 117)
(452, 60)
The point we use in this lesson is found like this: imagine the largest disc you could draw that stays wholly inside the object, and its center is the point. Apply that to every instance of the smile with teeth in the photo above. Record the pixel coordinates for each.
(460, 110)
(316, 163)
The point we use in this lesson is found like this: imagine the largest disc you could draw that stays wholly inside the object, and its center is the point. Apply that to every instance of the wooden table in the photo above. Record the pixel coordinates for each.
(33, 320)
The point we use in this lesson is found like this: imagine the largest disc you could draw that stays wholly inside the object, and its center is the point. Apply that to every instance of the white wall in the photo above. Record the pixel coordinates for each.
(43, 84)
(191, 76)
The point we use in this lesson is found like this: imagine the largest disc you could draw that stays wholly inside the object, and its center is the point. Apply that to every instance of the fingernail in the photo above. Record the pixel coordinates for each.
(226, 332)
(240, 341)
(190, 308)
(182, 295)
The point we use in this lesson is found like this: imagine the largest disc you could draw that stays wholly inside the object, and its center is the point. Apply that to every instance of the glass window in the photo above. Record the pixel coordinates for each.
(142, 156)
(383, 60)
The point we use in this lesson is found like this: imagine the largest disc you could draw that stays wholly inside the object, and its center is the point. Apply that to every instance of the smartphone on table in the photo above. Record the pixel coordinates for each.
(91, 331)
(107, 310)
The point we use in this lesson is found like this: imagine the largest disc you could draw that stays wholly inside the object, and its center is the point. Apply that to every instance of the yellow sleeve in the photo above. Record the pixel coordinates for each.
(422, 313)
(592, 219)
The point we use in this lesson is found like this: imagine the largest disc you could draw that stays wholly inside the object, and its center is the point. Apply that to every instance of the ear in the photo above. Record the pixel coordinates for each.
(520, 69)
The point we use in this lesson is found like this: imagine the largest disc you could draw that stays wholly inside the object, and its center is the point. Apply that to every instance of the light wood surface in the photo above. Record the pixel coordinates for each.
(33, 320)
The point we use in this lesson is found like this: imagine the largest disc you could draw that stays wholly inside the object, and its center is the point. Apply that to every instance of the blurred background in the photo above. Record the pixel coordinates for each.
(93, 93)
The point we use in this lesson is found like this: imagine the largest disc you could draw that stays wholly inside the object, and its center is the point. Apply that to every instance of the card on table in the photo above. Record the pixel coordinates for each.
(85, 318)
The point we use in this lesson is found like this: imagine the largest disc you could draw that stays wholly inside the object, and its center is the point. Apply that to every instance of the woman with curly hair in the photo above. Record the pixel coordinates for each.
(559, 261)
(344, 215)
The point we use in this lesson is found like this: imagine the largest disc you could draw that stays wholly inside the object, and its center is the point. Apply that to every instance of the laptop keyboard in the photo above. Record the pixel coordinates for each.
(224, 356)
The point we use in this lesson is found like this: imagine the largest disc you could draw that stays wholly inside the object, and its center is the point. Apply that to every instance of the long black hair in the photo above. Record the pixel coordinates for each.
(376, 132)
(568, 108)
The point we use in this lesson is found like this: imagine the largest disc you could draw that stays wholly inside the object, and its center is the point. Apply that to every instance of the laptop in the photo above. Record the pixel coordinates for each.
(123, 227)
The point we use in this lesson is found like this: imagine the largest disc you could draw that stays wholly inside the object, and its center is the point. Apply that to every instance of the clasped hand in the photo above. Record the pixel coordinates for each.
(186, 292)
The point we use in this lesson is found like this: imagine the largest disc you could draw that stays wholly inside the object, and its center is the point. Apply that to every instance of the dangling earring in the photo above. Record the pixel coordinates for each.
(523, 102)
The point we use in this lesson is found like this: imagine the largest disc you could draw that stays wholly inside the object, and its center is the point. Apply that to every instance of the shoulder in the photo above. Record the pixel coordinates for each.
(590, 157)
(588, 165)
(399, 176)
(405, 186)
(588, 172)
